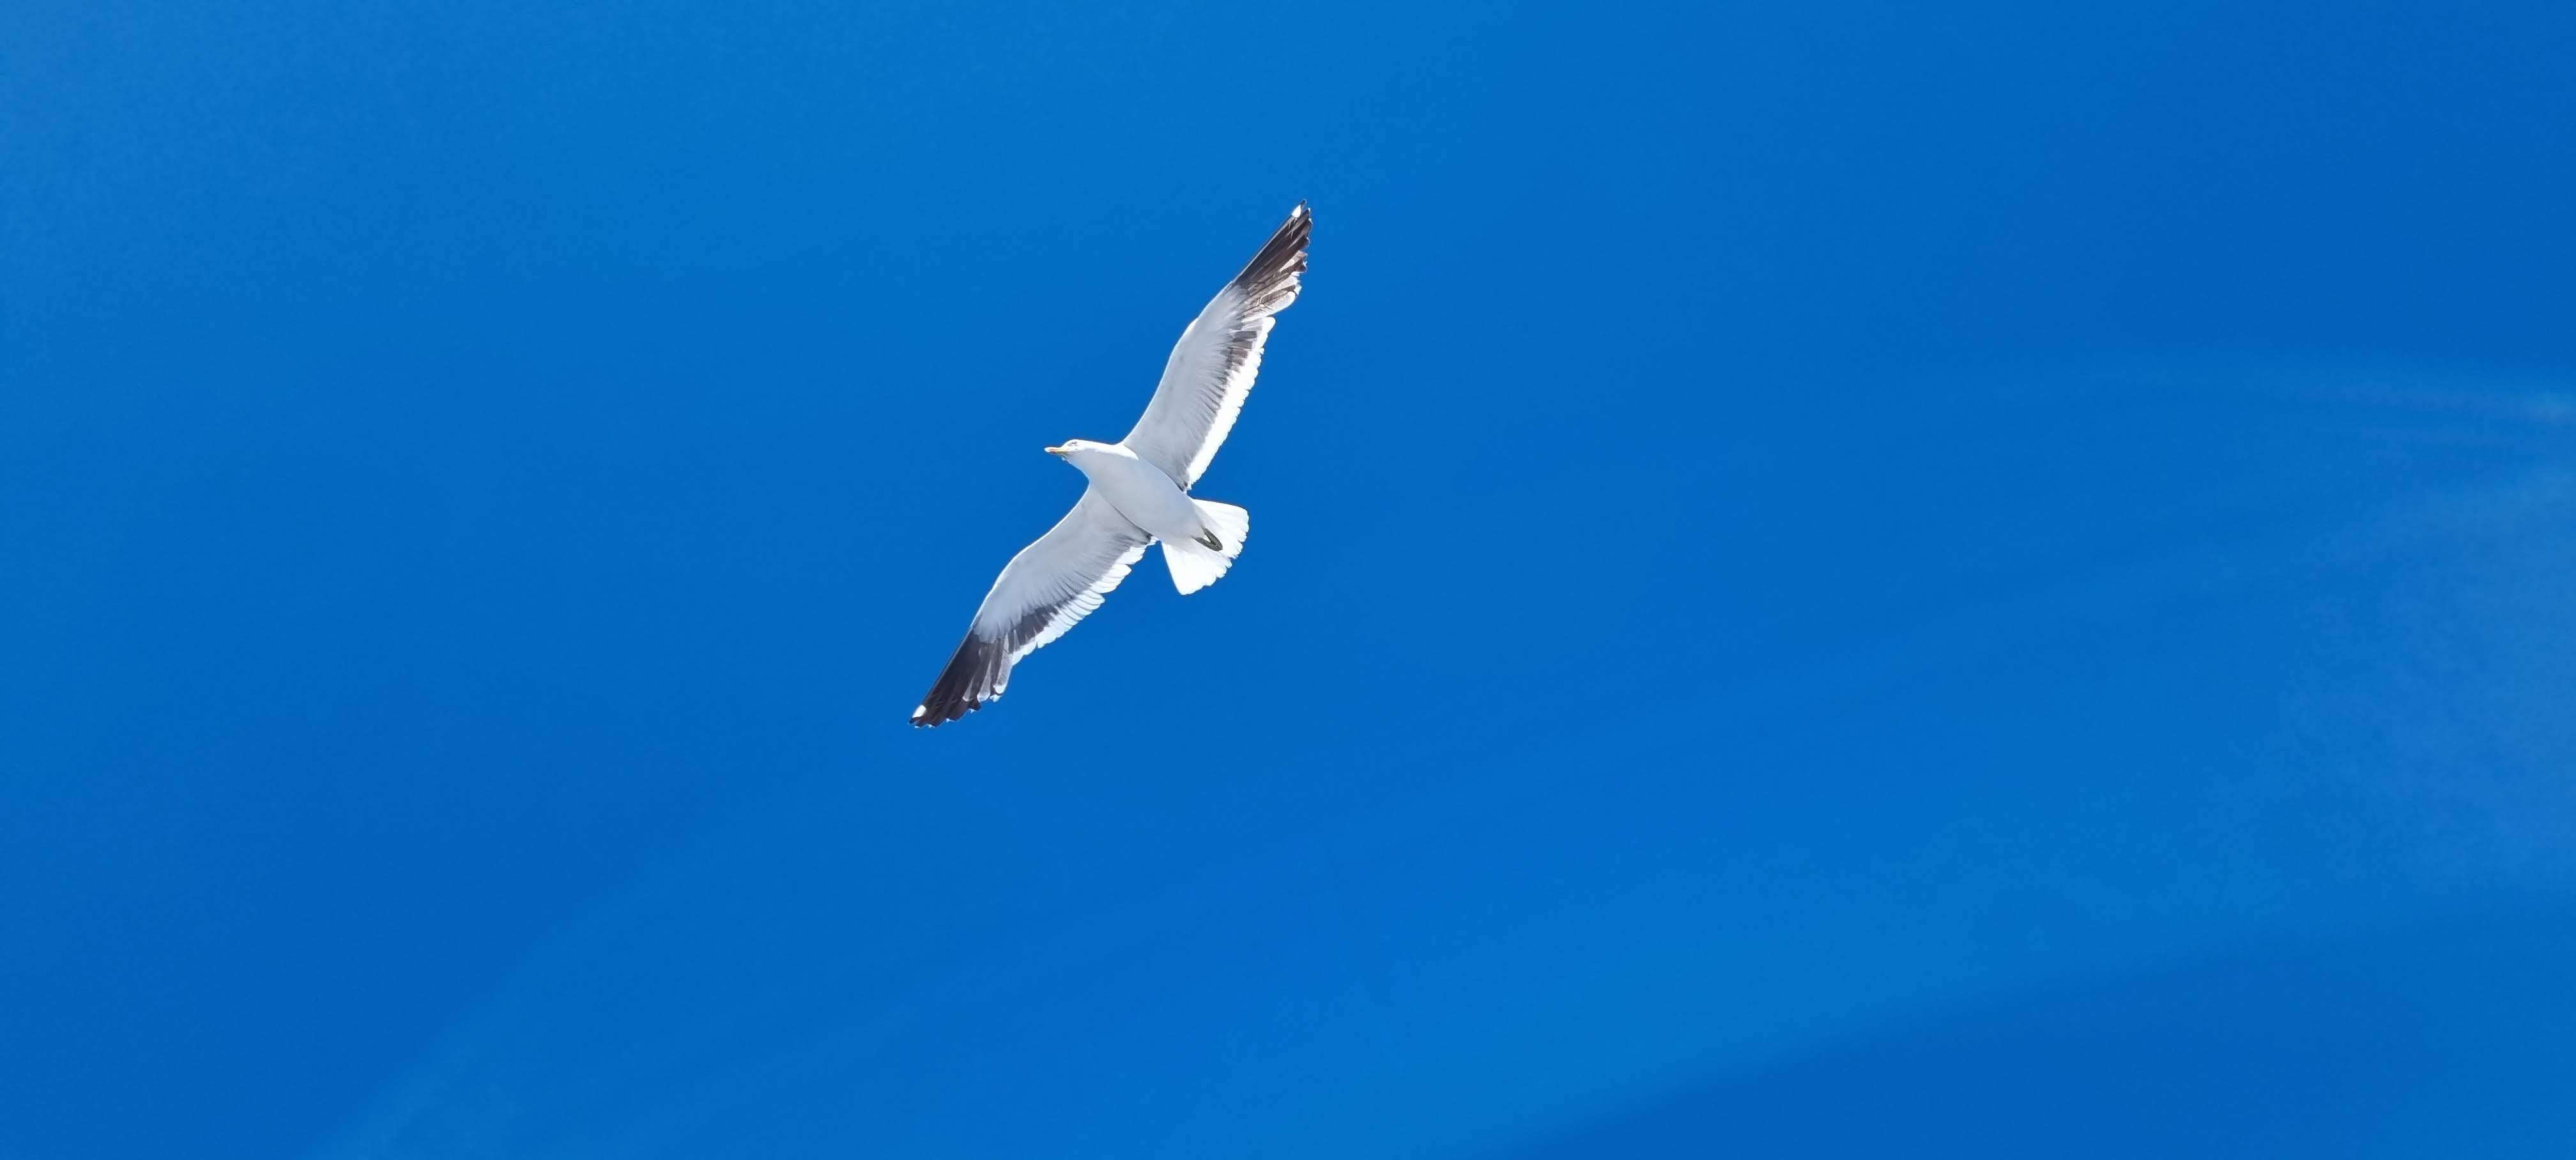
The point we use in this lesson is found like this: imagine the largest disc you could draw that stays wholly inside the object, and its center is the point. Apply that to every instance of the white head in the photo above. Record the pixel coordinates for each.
(1077, 451)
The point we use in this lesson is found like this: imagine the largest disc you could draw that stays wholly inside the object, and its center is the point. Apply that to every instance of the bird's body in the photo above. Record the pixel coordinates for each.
(1139, 491)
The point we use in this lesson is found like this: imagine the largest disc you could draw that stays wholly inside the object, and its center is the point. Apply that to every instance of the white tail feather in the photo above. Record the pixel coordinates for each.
(1194, 565)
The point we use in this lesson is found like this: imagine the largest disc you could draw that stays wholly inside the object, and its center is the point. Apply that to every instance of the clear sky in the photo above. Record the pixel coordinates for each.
(1826, 579)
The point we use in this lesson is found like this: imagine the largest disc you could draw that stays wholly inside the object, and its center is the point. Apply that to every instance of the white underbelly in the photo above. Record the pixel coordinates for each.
(1150, 500)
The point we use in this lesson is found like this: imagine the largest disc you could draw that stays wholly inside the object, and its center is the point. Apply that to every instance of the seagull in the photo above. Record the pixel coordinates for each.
(1139, 489)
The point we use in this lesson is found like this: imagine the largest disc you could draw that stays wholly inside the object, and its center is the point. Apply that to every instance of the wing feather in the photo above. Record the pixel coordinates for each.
(1212, 367)
(1041, 594)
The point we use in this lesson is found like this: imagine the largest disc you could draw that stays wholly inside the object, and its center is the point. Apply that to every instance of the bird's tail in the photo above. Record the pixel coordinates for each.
(1197, 563)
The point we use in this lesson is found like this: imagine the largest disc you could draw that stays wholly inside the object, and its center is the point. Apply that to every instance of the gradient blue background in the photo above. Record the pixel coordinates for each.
(1827, 579)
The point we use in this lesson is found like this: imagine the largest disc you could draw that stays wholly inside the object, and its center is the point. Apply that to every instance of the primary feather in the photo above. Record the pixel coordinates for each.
(1212, 367)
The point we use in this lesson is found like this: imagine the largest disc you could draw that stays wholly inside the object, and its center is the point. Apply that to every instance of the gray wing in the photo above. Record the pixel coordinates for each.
(1044, 591)
(1213, 365)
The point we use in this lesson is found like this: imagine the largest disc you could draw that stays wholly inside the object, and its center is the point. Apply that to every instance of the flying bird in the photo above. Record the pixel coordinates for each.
(1139, 489)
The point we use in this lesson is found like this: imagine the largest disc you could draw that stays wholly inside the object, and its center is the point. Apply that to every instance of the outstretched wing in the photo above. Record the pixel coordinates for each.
(1212, 367)
(1046, 589)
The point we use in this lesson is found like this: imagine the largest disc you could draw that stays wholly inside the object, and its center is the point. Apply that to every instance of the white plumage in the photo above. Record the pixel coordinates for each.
(1139, 491)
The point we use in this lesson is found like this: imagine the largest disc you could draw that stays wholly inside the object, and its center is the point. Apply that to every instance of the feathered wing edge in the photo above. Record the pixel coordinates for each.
(1037, 598)
(1269, 280)
(1211, 369)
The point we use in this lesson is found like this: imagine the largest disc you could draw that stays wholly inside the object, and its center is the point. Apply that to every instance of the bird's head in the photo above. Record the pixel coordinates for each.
(1071, 447)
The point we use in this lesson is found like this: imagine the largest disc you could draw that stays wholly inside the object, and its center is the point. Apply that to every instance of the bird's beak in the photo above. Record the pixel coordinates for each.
(1055, 451)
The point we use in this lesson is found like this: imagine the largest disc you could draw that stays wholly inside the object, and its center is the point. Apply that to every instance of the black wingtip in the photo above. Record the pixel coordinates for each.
(927, 716)
(1283, 255)
(971, 678)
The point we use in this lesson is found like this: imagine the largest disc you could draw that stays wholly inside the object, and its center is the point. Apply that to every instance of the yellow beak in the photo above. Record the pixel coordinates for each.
(1055, 451)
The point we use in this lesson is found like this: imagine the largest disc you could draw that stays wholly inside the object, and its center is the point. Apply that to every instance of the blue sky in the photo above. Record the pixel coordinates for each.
(1827, 578)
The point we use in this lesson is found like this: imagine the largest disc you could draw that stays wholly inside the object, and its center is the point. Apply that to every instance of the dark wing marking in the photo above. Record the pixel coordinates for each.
(1212, 367)
(1044, 591)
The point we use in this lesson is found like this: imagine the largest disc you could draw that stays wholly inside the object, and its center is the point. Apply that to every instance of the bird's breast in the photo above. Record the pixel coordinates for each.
(1147, 497)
